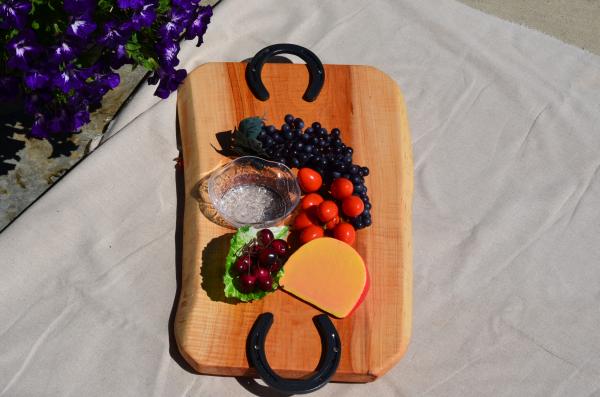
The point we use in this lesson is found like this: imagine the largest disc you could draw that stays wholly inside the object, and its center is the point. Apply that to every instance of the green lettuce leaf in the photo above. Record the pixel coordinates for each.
(243, 236)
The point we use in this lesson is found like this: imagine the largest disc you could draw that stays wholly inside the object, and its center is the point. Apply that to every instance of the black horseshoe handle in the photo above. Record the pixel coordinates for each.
(314, 65)
(330, 356)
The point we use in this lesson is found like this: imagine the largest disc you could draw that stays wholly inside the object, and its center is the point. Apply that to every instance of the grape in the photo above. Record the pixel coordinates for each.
(323, 151)
(268, 141)
(265, 236)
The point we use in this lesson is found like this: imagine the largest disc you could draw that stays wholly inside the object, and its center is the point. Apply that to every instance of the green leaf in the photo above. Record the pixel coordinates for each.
(245, 138)
(163, 6)
(35, 25)
(243, 236)
(150, 63)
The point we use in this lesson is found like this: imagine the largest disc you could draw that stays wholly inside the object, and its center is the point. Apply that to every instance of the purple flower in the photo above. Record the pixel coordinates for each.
(110, 80)
(178, 20)
(36, 100)
(198, 26)
(22, 49)
(80, 119)
(111, 36)
(13, 14)
(9, 87)
(39, 129)
(133, 4)
(145, 16)
(62, 53)
(169, 83)
(119, 57)
(67, 80)
(81, 28)
(79, 7)
(188, 5)
(59, 122)
(167, 53)
(141, 19)
(36, 80)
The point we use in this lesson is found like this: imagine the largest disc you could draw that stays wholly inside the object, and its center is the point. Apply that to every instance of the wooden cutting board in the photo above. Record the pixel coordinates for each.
(368, 107)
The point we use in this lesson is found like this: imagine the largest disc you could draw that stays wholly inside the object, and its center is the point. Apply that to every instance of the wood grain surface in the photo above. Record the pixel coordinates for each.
(368, 107)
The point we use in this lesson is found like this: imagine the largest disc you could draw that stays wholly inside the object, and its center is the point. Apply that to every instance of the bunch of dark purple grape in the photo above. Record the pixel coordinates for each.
(314, 147)
(259, 261)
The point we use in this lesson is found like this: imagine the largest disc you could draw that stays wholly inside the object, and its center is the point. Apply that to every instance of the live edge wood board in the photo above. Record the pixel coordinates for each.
(369, 109)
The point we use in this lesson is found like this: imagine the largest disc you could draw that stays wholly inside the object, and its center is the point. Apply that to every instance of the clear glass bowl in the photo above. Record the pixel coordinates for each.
(253, 191)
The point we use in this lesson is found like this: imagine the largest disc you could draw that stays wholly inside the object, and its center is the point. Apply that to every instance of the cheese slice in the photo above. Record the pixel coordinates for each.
(328, 274)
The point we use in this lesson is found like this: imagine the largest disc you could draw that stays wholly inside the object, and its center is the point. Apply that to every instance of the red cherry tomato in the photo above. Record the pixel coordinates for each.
(310, 200)
(311, 233)
(309, 180)
(353, 206)
(304, 220)
(331, 224)
(341, 188)
(345, 232)
(327, 210)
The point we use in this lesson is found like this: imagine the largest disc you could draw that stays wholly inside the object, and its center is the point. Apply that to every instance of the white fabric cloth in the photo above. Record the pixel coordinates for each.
(506, 132)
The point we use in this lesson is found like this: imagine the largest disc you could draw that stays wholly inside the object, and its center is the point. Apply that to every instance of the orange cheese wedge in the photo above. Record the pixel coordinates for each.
(328, 274)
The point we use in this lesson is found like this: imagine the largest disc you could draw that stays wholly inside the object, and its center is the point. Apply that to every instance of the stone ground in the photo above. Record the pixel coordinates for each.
(29, 166)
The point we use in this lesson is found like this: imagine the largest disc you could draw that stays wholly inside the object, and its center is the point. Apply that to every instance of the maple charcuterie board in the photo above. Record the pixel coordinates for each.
(367, 106)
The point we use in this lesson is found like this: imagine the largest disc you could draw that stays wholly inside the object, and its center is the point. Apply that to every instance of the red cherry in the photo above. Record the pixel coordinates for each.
(261, 273)
(242, 264)
(247, 283)
(267, 256)
(266, 284)
(265, 236)
(280, 247)
(276, 266)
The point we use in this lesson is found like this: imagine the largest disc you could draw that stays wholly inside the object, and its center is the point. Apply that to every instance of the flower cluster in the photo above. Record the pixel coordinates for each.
(60, 56)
